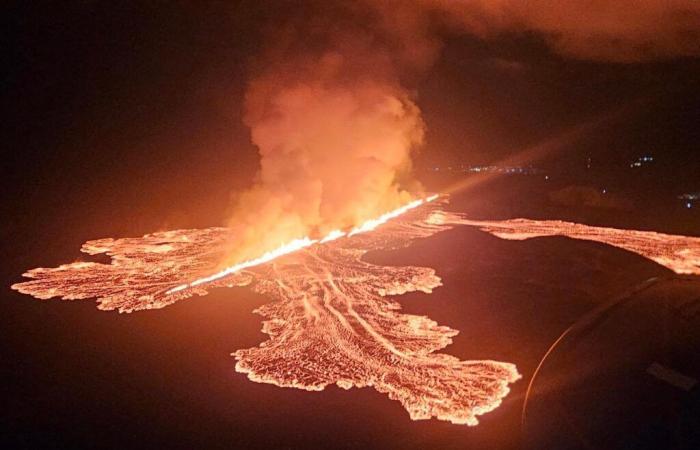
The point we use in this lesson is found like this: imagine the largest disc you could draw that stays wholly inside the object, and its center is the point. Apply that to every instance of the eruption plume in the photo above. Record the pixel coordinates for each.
(332, 113)
(335, 130)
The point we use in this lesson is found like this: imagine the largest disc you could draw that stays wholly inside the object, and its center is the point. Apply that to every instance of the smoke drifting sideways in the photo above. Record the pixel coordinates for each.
(332, 109)
(597, 30)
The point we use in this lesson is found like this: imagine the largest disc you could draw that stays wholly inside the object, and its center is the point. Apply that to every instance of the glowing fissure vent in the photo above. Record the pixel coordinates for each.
(304, 242)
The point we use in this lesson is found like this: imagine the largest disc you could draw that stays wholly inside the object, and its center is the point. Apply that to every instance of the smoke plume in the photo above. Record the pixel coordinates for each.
(330, 108)
(600, 30)
(334, 126)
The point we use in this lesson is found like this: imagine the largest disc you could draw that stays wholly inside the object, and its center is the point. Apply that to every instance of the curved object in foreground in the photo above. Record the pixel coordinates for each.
(331, 320)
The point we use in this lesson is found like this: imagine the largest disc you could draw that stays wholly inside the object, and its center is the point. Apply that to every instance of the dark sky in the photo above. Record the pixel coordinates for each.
(137, 105)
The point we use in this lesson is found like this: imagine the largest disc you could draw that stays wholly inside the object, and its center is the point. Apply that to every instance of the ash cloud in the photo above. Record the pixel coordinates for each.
(599, 30)
(330, 107)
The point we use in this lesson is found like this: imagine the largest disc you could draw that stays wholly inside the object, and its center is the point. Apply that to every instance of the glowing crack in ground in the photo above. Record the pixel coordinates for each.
(331, 320)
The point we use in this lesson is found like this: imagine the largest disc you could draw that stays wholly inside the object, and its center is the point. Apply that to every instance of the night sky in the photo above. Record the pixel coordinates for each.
(124, 99)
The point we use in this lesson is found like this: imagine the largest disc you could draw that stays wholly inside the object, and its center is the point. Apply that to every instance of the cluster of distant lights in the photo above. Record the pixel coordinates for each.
(641, 161)
(508, 170)
(689, 198)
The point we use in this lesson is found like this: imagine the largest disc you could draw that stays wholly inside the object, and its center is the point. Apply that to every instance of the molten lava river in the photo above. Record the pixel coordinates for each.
(332, 319)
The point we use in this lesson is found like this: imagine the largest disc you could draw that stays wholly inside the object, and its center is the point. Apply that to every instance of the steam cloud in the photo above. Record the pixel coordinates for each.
(335, 124)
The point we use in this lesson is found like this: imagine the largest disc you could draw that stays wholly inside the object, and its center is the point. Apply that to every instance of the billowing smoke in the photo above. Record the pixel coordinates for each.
(335, 123)
(601, 30)
(334, 126)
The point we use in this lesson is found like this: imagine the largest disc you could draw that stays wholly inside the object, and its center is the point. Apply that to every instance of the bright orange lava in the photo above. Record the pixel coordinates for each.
(304, 242)
(331, 319)
(678, 253)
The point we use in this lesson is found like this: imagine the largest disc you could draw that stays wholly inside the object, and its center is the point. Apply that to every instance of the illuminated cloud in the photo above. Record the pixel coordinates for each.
(601, 30)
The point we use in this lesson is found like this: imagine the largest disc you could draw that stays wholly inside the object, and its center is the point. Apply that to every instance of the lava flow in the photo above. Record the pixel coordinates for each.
(681, 254)
(331, 320)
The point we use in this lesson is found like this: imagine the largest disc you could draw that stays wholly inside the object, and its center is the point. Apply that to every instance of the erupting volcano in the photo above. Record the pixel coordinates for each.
(312, 161)
(331, 319)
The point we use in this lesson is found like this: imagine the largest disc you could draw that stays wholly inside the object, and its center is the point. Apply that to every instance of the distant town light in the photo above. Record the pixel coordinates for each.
(641, 161)
(690, 196)
(507, 170)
